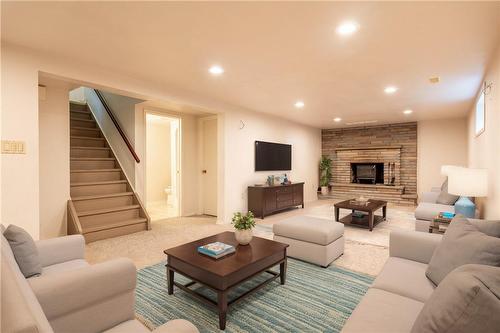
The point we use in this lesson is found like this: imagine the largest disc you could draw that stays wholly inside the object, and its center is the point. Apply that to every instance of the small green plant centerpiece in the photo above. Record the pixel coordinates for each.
(243, 224)
(325, 169)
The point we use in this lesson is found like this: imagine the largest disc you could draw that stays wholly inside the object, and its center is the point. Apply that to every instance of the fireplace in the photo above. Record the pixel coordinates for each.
(367, 173)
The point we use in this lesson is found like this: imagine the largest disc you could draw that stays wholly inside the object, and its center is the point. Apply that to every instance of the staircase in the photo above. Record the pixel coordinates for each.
(103, 204)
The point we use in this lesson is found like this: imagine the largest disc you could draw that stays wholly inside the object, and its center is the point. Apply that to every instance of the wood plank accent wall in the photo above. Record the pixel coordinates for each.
(384, 140)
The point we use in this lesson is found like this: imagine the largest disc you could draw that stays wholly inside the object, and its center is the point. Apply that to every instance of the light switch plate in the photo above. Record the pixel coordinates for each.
(13, 147)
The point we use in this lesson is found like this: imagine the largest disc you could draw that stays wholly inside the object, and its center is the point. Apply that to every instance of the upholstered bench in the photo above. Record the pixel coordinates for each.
(315, 240)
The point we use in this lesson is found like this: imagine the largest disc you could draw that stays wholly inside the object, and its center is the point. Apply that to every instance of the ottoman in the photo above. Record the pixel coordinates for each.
(315, 240)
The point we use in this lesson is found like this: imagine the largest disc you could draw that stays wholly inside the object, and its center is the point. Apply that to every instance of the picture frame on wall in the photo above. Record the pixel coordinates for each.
(480, 113)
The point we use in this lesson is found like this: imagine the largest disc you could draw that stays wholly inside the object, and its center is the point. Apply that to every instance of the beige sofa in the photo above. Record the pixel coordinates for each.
(428, 209)
(397, 295)
(70, 295)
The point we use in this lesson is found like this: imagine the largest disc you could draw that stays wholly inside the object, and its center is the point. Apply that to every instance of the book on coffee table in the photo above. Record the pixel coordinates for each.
(216, 250)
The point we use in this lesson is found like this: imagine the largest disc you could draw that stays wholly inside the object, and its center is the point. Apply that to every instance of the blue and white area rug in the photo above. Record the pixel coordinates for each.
(314, 299)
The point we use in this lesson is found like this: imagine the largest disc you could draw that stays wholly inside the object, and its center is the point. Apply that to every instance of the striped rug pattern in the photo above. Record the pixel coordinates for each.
(314, 299)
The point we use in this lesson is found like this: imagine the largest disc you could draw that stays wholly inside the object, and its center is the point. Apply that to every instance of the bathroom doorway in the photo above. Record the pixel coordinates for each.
(162, 166)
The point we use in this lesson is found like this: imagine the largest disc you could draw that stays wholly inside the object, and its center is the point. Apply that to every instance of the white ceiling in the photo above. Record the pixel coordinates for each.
(276, 53)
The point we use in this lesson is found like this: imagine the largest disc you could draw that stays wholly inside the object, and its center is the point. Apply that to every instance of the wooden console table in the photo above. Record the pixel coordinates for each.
(266, 200)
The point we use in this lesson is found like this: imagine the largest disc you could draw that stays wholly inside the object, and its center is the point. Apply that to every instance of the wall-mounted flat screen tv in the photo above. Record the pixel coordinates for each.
(270, 156)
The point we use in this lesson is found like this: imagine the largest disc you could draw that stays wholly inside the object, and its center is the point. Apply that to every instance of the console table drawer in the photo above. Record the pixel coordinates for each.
(284, 197)
(284, 204)
(284, 190)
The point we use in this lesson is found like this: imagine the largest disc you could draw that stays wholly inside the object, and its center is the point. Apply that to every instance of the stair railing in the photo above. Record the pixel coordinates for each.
(117, 125)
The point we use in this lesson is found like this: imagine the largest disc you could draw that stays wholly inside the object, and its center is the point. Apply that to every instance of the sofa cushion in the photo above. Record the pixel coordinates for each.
(383, 312)
(444, 197)
(428, 211)
(467, 300)
(489, 227)
(309, 229)
(406, 278)
(462, 244)
(24, 250)
(129, 326)
(65, 266)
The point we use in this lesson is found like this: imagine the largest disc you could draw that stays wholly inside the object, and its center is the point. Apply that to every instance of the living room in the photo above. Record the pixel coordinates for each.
(354, 133)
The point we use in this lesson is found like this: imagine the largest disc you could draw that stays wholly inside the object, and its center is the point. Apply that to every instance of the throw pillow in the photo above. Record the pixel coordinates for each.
(462, 244)
(445, 198)
(489, 227)
(465, 301)
(24, 250)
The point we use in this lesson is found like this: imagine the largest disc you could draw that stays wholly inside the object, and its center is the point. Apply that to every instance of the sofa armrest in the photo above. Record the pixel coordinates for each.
(61, 249)
(176, 326)
(413, 245)
(89, 299)
(430, 197)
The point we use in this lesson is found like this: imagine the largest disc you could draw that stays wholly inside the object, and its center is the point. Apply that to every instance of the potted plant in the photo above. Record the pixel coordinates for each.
(325, 169)
(243, 224)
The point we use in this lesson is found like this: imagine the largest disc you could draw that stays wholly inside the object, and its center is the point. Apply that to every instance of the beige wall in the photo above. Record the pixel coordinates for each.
(158, 159)
(439, 142)
(54, 161)
(484, 150)
(239, 155)
(20, 173)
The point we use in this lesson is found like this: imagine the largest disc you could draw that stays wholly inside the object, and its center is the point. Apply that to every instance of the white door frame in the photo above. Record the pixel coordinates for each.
(179, 154)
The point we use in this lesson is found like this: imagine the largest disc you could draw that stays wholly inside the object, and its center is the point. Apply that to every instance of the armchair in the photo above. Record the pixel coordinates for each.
(72, 296)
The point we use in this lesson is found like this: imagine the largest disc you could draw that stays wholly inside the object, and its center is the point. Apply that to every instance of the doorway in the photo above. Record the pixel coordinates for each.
(209, 165)
(162, 166)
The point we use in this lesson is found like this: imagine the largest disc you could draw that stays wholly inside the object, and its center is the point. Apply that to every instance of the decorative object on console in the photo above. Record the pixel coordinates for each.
(467, 182)
(325, 168)
(243, 225)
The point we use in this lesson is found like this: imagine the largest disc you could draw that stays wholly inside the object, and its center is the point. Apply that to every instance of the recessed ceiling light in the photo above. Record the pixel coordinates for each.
(299, 104)
(408, 111)
(390, 90)
(347, 28)
(337, 119)
(216, 70)
(434, 79)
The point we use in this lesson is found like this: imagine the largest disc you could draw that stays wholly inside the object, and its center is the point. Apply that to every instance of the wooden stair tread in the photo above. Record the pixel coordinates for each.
(94, 170)
(92, 158)
(85, 128)
(85, 137)
(90, 148)
(102, 196)
(114, 225)
(107, 182)
(80, 119)
(107, 210)
(80, 111)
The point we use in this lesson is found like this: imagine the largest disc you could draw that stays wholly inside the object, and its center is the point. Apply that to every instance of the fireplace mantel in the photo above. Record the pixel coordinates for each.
(368, 148)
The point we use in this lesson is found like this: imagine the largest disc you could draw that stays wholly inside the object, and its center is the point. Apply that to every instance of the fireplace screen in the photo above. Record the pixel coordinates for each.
(367, 173)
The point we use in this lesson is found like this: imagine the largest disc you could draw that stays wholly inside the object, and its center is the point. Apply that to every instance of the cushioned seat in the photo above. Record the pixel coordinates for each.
(381, 311)
(309, 229)
(405, 278)
(311, 239)
(428, 211)
(65, 266)
(133, 326)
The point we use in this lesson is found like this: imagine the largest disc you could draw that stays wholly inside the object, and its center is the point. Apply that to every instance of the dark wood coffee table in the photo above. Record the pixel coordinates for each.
(369, 220)
(224, 274)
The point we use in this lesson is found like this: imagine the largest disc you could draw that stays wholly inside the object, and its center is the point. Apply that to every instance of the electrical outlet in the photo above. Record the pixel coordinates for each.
(13, 147)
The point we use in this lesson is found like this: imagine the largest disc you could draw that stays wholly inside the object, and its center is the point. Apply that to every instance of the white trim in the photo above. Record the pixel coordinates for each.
(167, 114)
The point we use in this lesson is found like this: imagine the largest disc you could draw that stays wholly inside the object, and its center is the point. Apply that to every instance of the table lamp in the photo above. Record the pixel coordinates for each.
(467, 182)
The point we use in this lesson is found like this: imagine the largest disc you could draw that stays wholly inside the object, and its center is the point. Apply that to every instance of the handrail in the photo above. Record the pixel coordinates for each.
(117, 125)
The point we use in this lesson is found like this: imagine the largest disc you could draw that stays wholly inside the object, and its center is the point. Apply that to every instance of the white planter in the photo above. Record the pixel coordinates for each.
(324, 190)
(243, 236)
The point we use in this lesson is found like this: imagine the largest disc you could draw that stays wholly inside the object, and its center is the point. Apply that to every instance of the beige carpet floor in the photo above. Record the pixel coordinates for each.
(365, 251)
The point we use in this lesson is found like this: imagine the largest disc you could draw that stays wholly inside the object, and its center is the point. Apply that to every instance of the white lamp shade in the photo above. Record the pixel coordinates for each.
(445, 169)
(468, 182)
